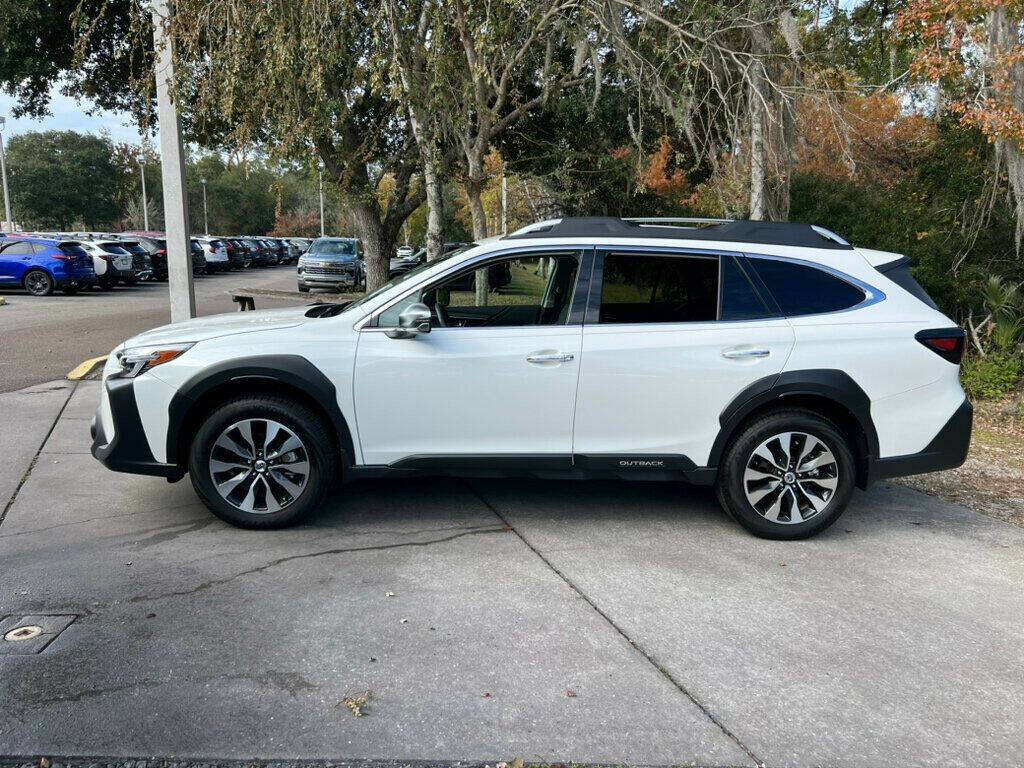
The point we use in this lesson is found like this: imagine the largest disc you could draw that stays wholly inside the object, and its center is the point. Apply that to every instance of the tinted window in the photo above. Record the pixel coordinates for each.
(18, 249)
(804, 290)
(659, 289)
(534, 290)
(73, 250)
(113, 249)
(739, 299)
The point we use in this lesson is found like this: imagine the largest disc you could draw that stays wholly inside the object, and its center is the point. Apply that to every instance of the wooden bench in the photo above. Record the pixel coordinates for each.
(246, 297)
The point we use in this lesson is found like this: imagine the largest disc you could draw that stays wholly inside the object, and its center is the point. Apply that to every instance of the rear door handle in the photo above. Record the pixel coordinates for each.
(740, 353)
(555, 357)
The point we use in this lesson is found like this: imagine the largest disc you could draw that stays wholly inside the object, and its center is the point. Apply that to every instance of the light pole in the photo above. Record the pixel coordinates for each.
(320, 175)
(145, 204)
(9, 226)
(206, 221)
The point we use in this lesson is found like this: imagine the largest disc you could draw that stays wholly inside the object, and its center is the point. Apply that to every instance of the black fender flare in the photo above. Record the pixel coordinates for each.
(827, 383)
(292, 370)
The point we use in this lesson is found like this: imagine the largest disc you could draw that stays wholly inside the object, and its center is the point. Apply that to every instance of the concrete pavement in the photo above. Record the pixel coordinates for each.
(590, 622)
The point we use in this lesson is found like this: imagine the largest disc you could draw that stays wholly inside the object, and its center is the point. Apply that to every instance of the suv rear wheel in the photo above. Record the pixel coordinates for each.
(787, 475)
(38, 282)
(262, 461)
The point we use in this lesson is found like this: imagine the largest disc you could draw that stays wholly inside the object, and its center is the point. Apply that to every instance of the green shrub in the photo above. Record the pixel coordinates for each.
(990, 377)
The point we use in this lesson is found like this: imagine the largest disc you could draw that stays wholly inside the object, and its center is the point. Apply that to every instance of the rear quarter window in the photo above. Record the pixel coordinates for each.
(800, 289)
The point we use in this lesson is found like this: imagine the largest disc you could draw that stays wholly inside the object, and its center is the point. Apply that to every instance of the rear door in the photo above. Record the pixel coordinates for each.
(670, 338)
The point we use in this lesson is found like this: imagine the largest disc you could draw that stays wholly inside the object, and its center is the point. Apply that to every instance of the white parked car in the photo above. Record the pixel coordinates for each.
(773, 361)
(111, 262)
(404, 251)
(215, 253)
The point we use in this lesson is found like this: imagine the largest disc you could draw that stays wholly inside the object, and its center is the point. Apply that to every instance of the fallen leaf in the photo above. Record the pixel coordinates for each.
(403, 621)
(486, 694)
(570, 693)
(356, 704)
(44, 762)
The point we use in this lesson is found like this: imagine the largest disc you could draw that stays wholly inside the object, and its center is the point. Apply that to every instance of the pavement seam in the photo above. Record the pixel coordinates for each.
(35, 457)
(648, 656)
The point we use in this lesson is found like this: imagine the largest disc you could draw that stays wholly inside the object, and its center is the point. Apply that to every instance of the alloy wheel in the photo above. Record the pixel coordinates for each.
(791, 477)
(259, 466)
(37, 283)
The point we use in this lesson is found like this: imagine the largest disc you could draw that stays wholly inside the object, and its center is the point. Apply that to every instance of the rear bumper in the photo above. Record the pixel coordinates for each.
(947, 450)
(127, 450)
(75, 281)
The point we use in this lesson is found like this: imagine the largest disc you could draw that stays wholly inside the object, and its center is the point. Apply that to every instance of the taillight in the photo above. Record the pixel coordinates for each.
(945, 342)
(61, 256)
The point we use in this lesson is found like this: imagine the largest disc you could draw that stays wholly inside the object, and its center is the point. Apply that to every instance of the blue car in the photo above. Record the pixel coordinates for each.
(40, 265)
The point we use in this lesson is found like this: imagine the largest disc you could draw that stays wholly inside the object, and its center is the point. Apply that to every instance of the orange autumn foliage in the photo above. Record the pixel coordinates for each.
(866, 138)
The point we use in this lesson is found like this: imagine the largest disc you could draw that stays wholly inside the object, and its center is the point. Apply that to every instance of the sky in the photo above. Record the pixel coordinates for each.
(69, 115)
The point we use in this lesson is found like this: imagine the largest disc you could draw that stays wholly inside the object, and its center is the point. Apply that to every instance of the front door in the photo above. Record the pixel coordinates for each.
(494, 382)
(670, 339)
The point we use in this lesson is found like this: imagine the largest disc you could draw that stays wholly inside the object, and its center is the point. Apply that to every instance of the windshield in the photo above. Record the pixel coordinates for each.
(410, 274)
(333, 248)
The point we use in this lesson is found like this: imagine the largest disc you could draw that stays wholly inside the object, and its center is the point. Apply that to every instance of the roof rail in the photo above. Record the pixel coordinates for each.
(739, 231)
(647, 221)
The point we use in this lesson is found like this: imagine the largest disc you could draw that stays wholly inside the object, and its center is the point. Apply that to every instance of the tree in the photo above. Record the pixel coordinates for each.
(415, 28)
(41, 48)
(282, 75)
(969, 52)
(62, 179)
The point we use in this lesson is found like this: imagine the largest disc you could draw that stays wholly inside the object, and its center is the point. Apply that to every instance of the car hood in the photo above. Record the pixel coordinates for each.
(214, 326)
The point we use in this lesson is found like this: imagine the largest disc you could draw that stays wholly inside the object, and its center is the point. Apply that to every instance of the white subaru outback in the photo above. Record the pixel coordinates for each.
(771, 360)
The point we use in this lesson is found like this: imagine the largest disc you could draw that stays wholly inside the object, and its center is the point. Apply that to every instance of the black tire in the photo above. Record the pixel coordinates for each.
(318, 442)
(131, 281)
(303, 288)
(38, 282)
(732, 493)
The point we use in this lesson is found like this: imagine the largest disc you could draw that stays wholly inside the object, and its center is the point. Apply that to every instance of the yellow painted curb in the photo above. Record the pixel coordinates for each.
(84, 369)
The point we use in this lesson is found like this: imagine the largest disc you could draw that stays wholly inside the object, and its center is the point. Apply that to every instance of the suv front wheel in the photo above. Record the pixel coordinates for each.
(262, 461)
(787, 475)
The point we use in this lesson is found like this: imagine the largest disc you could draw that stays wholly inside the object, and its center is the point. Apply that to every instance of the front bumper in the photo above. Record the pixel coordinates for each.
(127, 450)
(947, 450)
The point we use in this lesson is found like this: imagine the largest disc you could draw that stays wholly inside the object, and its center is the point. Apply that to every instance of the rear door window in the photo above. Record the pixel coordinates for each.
(647, 288)
(801, 289)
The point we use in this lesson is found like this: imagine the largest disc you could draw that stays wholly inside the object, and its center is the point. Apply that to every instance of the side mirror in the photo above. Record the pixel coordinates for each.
(413, 320)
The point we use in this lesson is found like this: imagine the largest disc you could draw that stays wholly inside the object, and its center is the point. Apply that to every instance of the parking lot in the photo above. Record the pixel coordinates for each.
(42, 338)
(554, 621)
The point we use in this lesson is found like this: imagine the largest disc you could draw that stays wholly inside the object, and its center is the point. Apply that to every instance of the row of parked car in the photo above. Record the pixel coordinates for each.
(42, 262)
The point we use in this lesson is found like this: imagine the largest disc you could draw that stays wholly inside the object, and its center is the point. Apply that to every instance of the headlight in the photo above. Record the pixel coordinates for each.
(137, 360)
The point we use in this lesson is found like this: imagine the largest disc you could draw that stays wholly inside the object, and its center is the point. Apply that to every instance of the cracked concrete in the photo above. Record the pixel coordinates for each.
(895, 639)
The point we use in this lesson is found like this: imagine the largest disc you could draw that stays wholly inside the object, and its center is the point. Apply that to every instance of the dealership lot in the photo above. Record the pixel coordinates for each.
(42, 338)
(494, 619)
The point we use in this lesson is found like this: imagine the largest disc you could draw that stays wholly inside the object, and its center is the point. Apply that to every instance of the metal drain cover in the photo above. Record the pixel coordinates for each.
(26, 632)
(31, 634)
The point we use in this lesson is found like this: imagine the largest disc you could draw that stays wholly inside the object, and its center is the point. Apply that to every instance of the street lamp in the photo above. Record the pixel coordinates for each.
(145, 206)
(9, 222)
(206, 222)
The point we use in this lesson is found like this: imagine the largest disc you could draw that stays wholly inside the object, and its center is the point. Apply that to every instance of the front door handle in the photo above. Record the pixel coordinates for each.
(741, 353)
(554, 357)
